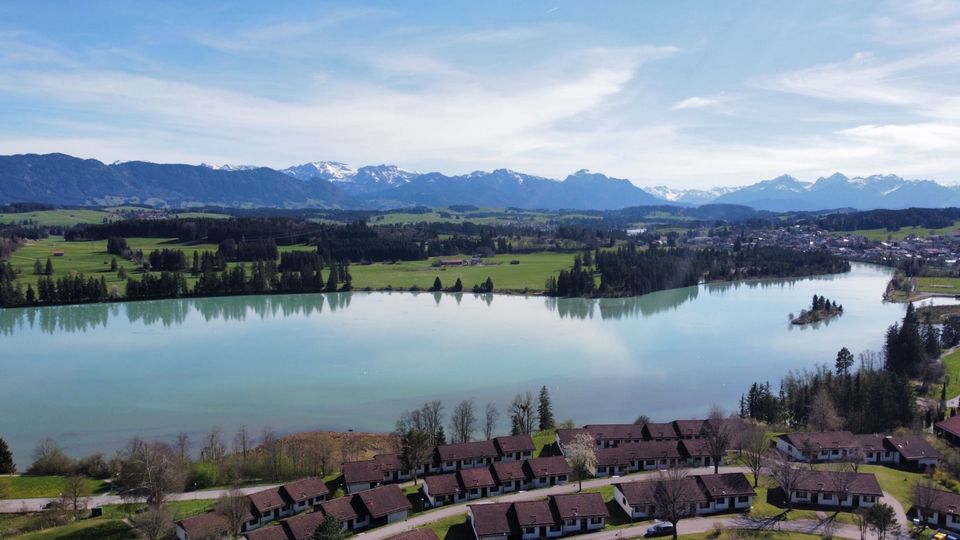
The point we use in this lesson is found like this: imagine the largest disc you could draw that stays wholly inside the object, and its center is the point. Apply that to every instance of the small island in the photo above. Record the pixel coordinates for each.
(821, 309)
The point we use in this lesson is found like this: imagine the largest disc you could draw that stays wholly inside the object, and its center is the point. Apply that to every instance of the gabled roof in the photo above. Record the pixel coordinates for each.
(726, 485)
(950, 425)
(547, 466)
(534, 513)
(305, 488)
(209, 524)
(266, 500)
(602, 432)
(492, 519)
(476, 478)
(360, 472)
(384, 500)
(912, 447)
(574, 505)
(821, 440)
(625, 453)
(344, 508)
(470, 450)
(871, 442)
(388, 462)
(659, 430)
(514, 443)
(832, 481)
(566, 436)
(506, 471)
(442, 484)
(689, 428)
(945, 502)
(694, 448)
(643, 492)
(267, 533)
(303, 526)
(416, 534)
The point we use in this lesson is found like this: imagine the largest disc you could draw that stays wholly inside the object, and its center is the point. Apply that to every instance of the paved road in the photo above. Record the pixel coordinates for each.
(16, 506)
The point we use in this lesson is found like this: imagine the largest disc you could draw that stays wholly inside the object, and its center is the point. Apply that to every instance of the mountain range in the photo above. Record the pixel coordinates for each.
(66, 180)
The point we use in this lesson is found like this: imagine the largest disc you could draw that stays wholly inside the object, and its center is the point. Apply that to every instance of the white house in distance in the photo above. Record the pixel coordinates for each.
(909, 451)
(712, 494)
(939, 508)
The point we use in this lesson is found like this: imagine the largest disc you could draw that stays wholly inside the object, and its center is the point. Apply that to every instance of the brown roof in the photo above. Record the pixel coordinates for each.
(870, 442)
(576, 505)
(567, 435)
(533, 513)
(416, 534)
(302, 527)
(828, 481)
(384, 500)
(514, 443)
(442, 484)
(470, 450)
(505, 471)
(950, 425)
(388, 462)
(643, 492)
(305, 488)
(694, 448)
(943, 501)
(912, 447)
(615, 431)
(821, 440)
(357, 472)
(659, 430)
(726, 485)
(476, 478)
(689, 428)
(268, 533)
(625, 453)
(266, 500)
(492, 519)
(344, 508)
(208, 524)
(547, 466)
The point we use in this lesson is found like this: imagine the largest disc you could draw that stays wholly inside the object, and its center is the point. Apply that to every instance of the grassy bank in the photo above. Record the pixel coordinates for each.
(31, 487)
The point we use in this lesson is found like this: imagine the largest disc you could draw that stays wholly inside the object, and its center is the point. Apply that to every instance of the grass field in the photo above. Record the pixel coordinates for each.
(896, 482)
(545, 443)
(92, 529)
(530, 274)
(59, 218)
(452, 528)
(882, 235)
(951, 366)
(772, 535)
(943, 285)
(28, 487)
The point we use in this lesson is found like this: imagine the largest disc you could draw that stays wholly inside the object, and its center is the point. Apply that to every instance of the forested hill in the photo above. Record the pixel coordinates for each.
(629, 271)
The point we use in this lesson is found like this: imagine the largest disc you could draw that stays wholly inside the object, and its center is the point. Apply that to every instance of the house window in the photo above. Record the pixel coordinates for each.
(530, 530)
(827, 496)
(571, 523)
(554, 527)
(596, 521)
(705, 505)
(868, 498)
(743, 499)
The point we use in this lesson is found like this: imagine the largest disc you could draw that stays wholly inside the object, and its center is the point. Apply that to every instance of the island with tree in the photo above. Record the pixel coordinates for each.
(821, 309)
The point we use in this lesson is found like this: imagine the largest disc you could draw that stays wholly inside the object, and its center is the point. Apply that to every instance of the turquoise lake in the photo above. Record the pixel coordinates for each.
(93, 376)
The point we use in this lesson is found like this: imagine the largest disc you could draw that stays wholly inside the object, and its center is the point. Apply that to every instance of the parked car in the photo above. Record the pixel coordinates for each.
(660, 529)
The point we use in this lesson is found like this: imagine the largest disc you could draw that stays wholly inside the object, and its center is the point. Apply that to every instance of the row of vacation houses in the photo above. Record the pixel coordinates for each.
(298, 513)
(825, 446)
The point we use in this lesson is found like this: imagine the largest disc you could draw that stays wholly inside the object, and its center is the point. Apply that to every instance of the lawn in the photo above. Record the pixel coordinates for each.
(545, 443)
(530, 275)
(58, 218)
(951, 366)
(730, 535)
(31, 487)
(882, 234)
(92, 529)
(452, 528)
(941, 285)
(896, 482)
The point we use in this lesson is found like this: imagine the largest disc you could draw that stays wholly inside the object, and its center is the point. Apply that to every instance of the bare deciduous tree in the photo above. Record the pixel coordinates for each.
(156, 523)
(823, 414)
(717, 436)
(74, 496)
(213, 448)
(242, 443)
(414, 442)
(582, 457)
(151, 468)
(523, 414)
(463, 422)
(183, 447)
(674, 498)
(491, 417)
(273, 452)
(786, 475)
(925, 495)
(754, 449)
(431, 416)
(234, 507)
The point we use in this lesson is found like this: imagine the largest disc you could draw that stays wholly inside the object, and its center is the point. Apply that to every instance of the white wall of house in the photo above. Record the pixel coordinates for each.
(397, 516)
(357, 487)
(181, 533)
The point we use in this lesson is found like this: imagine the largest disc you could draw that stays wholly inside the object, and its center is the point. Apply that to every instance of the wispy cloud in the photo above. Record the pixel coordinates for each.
(699, 102)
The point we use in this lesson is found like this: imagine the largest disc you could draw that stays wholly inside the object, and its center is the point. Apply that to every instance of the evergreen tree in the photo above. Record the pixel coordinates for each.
(48, 270)
(332, 279)
(488, 285)
(329, 529)
(37, 267)
(844, 361)
(440, 438)
(437, 285)
(31, 297)
(7, 466)
(458, 286)
(545, 410)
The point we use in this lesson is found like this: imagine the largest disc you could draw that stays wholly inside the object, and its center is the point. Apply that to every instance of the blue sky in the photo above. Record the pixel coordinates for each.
(688, 94)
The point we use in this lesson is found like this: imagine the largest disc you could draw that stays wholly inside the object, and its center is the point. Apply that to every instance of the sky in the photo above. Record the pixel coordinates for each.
(685, 94)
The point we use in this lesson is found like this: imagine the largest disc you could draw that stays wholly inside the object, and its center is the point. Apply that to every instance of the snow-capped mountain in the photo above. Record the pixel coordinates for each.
(695, 197)
(333, 171)
(225, 167)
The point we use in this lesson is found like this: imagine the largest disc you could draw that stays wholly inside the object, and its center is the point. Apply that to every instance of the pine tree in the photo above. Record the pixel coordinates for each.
(31, 296)
(37, 267)
(48, 270)
(7, 466)
(437, 286)
(844, 361)
(332, 279)
(440, 438)
(458, 286)
(488, 285)
(545, 410)
(329, 529)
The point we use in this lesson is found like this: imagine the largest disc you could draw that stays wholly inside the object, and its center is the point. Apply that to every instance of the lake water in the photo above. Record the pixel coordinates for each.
(92, 376)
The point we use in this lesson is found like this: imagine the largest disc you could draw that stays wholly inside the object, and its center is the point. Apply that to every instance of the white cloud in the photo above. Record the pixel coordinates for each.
(698, 102)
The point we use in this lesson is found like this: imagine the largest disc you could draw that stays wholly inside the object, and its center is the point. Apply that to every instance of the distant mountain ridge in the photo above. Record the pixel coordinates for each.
(66, 180)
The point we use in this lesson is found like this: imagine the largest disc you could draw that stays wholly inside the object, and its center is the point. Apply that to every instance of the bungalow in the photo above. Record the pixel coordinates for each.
(530, 520)
(565, 436)
(835, 488)
(367, 474)
(696, 452)
(706, 494)
(512, 475)
(349, 510)
(913, 451)
(873, 449)
(611, 435)
(416, 534)
(492, 521)
(269, 533)
(547, 471)
(939, 509)
(300, 527)
(442, 489)
(478, 483)
(581, 511)
(385, 504)
(690, 429)
(728, 491)
(267, 505)
(514, 447)
(203, 527)
(453, 457)
(305, 493)
(949, 430)
(645, 456)
(819, 445)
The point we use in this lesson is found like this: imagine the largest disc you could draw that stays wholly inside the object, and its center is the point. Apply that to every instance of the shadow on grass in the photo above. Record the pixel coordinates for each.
(550, 450)
(617, 517)
(110, 530)
(460, 531)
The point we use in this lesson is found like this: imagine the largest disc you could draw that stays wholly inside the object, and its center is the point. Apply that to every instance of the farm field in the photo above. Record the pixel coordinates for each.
(882, 235)
(59, 218)
(28, 487)
(942, 285)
